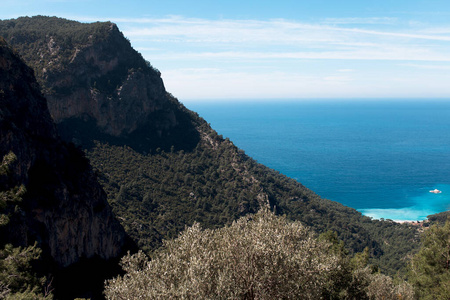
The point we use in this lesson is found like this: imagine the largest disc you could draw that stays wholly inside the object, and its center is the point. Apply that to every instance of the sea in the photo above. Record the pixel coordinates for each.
(381, 157)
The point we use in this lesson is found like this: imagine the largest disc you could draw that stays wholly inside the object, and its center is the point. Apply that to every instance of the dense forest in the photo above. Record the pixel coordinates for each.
(162, 176)
(156, 195)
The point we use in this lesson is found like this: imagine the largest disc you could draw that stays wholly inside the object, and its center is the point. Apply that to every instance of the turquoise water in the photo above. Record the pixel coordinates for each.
(379, 157)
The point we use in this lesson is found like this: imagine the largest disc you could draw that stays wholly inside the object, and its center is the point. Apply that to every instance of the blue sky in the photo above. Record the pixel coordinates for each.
(210, 50)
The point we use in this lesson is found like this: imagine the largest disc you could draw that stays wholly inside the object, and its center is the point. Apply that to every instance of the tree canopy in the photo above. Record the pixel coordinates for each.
(259, 256)
(430, 267)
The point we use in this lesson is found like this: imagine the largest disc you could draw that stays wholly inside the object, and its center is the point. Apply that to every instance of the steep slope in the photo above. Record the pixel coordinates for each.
(93, 78)
(170, 168)
(64, 209)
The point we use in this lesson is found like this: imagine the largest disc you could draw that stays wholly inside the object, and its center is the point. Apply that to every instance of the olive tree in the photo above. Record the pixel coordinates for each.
(260, 256)
(257, 257)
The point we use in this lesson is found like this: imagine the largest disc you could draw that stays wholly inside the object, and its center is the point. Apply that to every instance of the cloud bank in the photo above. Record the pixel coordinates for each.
(212, 59)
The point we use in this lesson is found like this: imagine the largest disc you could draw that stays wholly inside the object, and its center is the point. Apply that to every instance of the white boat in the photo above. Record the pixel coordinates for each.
(436, 191)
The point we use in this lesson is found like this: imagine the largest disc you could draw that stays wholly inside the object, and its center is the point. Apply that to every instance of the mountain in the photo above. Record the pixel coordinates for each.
(64, 208)
(108, 86)
(161, 165)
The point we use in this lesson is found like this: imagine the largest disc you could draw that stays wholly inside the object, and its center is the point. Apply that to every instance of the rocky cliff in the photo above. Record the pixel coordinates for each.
(90, 73)
(65, 210)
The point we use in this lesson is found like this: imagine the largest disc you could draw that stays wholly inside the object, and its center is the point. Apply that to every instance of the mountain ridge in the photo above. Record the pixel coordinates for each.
(168, 172)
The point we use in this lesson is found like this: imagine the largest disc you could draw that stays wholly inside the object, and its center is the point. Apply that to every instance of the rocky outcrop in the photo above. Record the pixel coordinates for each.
(65, 209)
(119, 106)
(91, 72)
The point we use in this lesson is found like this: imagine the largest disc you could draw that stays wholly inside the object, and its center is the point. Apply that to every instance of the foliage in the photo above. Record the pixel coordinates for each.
(17, 277)
(259, 256)
(438, 218)
(8, 159)
(59, 35)
(49, 44)
(9, 197)
(156, 194)
(383, 287)
(430, 267)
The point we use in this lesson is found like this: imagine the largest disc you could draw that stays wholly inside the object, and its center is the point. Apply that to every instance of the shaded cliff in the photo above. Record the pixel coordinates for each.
(64, 209)
(171, 168)
(92, 77)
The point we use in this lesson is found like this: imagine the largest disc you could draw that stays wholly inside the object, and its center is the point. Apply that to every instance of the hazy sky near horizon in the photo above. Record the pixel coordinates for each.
(285, 49)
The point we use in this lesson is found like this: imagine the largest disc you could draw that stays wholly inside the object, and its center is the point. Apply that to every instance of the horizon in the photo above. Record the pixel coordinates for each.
(285, 50)
(380, 158)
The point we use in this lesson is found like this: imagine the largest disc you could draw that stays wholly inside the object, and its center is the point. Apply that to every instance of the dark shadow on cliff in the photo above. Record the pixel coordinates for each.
(145, 139)
(86, 278)
(65, 165)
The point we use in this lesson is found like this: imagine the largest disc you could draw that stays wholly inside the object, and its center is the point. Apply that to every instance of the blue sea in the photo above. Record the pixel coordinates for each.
(379, 157)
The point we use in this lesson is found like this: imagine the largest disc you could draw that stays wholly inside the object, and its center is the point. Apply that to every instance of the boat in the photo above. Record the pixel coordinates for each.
(436, 191)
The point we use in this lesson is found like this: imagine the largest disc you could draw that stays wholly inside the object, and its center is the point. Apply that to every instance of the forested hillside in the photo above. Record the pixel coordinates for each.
(162, 166)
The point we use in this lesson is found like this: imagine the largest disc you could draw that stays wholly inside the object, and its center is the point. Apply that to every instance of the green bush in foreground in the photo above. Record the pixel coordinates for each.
(430, 267)
(258, 257)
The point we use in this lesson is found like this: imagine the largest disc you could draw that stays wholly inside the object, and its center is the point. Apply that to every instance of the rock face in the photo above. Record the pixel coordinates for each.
(65, 209)
(118, 107)
(91, 72)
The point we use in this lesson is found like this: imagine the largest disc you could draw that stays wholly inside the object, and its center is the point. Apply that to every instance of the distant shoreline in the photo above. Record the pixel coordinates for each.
(379, 157)
(413, 223)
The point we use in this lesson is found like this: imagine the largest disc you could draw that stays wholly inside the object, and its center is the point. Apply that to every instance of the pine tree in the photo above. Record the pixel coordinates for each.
(17, 279)
(430, 267)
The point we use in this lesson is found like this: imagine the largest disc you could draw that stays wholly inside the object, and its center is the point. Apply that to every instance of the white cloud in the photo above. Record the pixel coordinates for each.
(204, 59)
(373, 20)
(427, 67)
(338, 78)
(206, 84)
(254, 30)
(397, 54)
(283, 39)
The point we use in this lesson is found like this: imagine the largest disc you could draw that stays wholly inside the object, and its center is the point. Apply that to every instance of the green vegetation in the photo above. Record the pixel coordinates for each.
(430, 267)
(155, 195)
(50, 44)
(17, 278)
(26, 33)
(259, 256)
(439, 218)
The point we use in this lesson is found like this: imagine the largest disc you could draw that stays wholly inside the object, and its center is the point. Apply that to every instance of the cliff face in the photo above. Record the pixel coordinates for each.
(118, 107)
(91, 72)
(64, 209)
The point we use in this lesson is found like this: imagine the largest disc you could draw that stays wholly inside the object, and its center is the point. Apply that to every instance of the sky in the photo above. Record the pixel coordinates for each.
(266, 50)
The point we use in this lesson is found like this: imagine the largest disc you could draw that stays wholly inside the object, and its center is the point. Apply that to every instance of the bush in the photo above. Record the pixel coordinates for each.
(261, 256)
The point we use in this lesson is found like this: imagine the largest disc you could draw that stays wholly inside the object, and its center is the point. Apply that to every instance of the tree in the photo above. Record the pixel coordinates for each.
(430, 267)
(260, 256)
(17, 278)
